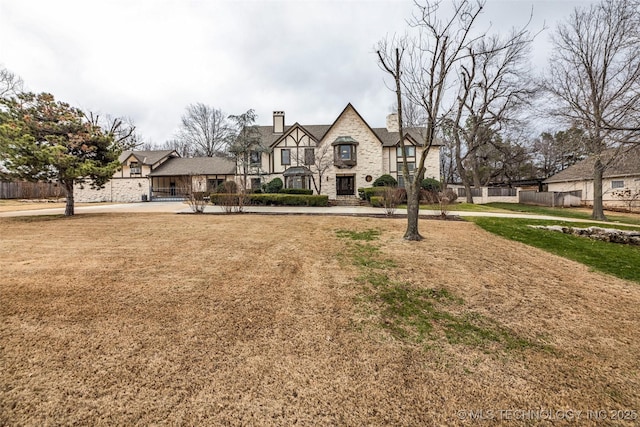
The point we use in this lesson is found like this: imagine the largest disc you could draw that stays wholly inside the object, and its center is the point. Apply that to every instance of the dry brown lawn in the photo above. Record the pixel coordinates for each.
(259, 320)
(22, 205)
(31, 205)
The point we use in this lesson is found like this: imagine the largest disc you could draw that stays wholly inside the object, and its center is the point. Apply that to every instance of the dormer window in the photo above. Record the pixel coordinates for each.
(409, 150)
(345, 153)
(135, 169)
(255, 158)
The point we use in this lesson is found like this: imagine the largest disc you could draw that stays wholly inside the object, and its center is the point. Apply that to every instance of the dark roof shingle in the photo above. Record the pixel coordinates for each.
(626, 163)
(146, 157)
(389, 139)
(195, 166)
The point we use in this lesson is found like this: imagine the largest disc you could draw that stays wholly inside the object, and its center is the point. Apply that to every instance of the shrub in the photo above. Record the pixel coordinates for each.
(450, 194)
(289, 199)
(275, 199)
(197, 201)
(371, 191)
(431, 184)
(429, 197)
(273, 186)
(227, 187)
(385, 180)
(392, 198)
(377, 201)
(229, 202)
(296, 191)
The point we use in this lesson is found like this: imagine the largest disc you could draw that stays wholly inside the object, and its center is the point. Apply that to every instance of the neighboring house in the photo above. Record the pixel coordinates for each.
(158, 175)
(356, 154)
(620, 183)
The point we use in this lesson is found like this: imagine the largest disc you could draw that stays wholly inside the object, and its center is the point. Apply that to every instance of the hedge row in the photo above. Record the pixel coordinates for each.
(367, 193)
(370, 192)
(296, 191)
(275, 199)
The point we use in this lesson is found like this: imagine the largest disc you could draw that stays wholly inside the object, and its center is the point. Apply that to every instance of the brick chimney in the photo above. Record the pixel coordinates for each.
(392, 123)
(278, 121)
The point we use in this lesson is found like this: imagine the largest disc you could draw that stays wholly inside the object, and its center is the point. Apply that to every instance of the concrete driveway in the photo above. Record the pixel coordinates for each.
(182, 207)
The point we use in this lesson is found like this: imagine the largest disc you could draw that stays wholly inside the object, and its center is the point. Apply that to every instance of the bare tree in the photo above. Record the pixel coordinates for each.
(423, 69)
(594, 80)
(422, 77)
(122, 129)
(318, 163)
(246, 141)
(206, 130)
(492, 89)
(414, 116)
(179, 146)
(10, 84)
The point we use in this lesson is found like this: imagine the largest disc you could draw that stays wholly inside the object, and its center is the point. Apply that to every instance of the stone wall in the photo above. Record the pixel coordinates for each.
(368, 152)
(116, 190)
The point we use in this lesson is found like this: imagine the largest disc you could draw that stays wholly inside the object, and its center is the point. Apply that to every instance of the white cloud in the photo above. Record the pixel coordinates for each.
(149, 59)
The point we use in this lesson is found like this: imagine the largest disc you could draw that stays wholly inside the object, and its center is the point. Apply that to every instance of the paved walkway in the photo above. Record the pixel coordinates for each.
(181, 207)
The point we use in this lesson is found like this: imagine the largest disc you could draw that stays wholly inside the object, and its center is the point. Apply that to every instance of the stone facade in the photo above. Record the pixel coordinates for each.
(368, 153)
(373, 153)
(116, 190)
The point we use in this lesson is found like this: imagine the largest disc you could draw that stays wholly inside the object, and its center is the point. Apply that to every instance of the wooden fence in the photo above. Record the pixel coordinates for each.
(550, 198)
(502, 192)
(475, 192)
(30, 190)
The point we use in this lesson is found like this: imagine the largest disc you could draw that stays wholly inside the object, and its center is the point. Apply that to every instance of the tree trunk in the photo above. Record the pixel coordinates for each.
(467, 190)
(413, 210)
(598, 210)
(476, 173)
(68, 188)
(462, 172)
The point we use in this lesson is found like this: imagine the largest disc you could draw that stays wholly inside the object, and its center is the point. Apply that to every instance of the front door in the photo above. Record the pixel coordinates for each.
(345, 185)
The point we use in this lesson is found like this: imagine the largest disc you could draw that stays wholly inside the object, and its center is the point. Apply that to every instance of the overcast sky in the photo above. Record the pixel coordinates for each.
(148, 60)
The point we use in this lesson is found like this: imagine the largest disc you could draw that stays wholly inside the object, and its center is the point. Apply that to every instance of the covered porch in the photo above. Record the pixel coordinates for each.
(178, 178)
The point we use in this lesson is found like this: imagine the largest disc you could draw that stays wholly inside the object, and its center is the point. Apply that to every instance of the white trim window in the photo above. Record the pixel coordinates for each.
(135, 169)
(285, 157)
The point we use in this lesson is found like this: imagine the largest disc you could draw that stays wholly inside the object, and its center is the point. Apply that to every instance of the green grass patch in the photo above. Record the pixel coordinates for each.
(416, 314)
(368, 256)
(367, 235)
(462, 207)
(619, 260)
(561, 212)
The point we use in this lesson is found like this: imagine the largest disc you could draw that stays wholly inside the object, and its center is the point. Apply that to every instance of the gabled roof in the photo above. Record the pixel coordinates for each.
(317, 132)
(627, 163)
(357, 114)
(150, 157)
(195, 166)
(391, 139)
(269, 138)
